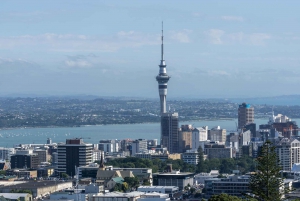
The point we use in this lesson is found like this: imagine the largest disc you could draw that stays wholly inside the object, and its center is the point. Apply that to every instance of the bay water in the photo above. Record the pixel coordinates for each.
(92, 134)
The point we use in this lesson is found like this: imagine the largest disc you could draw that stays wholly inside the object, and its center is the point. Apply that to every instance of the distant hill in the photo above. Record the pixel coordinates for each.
(275, 100)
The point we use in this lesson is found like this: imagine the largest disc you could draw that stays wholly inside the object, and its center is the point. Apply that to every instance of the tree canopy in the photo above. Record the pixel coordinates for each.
(224, 165)
(267, 183)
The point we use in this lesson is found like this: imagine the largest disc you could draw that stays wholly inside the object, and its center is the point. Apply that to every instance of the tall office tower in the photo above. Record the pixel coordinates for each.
(184, 138)
(74, 153)
(217, 134)
(245, 115)
(169, 131)
(199, 135)
(162, 79)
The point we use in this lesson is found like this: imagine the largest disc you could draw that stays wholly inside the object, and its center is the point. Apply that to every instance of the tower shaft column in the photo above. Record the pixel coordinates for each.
(163, 104)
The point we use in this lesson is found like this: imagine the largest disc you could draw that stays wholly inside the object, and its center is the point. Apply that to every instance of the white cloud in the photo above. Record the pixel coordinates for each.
(233, 18)
(218, 72)
(181, 36)
(215, 36)
(252, 39)
(73, 43)
(77, 63)
(258, 38)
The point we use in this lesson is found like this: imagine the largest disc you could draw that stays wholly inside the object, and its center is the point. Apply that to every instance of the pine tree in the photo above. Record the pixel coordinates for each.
(200, 165)
(267, 184)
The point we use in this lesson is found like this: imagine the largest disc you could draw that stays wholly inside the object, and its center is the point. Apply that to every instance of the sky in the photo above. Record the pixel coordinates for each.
(213, 49)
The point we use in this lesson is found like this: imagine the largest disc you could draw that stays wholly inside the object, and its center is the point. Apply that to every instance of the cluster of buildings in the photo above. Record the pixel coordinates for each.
(37, 167)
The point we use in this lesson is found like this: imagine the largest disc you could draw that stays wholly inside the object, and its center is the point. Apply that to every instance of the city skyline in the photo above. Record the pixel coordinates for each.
(214, 49)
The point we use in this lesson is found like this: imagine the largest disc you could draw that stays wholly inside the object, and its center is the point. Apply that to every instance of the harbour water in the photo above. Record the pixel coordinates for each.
(92, 134)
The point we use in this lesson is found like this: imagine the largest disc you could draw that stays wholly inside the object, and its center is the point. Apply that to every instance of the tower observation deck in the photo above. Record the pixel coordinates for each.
(162, 78)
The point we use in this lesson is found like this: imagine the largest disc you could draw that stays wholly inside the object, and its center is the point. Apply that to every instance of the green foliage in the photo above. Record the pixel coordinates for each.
(197, 195)
(200, 165)
(146, 182)
(192, 190)
(2, 172)
(267, 181)
(156, 165)
(125, 186)
(224, 197)
(64, 175)
(132, 182)
(226, 165)
(118, 187)
(21, 191)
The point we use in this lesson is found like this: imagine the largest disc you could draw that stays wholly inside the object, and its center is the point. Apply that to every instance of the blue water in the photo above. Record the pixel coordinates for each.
(93, 134)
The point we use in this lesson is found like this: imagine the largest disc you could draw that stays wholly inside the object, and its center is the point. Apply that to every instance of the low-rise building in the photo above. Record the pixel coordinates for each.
(174, 178)
(22, 173)
(191, 157)
(170, 190)
(138, 146)
(232, 185)
(38, 188)
(131, 196)
(217, 150)
(16, 196)
(160, 156)
(201, 177)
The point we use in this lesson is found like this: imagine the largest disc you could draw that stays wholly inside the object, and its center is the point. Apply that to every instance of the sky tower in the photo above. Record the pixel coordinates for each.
(162, 78)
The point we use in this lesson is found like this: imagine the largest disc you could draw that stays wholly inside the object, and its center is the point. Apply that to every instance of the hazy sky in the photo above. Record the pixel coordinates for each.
(112, 48)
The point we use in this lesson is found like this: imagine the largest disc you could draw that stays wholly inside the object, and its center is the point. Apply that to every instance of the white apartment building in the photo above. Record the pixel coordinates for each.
(109, 145)
(217, 134)
(288, 152)
(191, 157)
(97, 155)
(139, 146)
(199, 134)
(5, 153)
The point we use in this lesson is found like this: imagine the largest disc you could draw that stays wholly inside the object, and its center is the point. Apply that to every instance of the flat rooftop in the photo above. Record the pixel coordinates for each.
(157, 187)
(30, 184)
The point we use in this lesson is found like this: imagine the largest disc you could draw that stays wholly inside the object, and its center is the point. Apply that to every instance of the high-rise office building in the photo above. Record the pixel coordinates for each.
(217, 134)
(169, 131)
(245, 115)
(162, 79)
(185, 138)
(73, 153)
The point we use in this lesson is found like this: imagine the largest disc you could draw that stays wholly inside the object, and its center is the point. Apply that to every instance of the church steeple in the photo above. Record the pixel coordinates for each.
(101, 166)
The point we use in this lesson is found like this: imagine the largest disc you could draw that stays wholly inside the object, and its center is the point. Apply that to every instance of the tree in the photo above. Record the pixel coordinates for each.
(118, 187)
(192, 190)
(132, 182)
(125, 186)
(146, 182)
(226, 197)
(64, 175)
(267, 184)
(21, 191)
(200, 165)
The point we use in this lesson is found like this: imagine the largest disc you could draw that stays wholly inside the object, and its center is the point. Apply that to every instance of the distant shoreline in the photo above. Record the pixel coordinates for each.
(87, 125)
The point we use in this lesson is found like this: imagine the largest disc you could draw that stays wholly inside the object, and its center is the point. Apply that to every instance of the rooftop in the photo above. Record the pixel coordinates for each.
(30, 184)
(13, 196)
